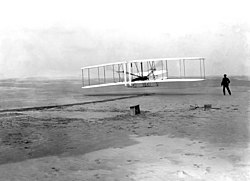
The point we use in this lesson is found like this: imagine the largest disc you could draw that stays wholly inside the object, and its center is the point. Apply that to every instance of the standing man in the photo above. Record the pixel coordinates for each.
(225, 83)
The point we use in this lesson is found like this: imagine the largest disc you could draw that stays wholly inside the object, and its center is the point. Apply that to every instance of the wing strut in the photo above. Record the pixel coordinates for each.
(180, 67)
(200, 69)
(162, 69)
(98, 75)
(129, 71)
(82, 78)
(89, 76)
(184, 69)
(204, 68)
(167, 68)
(113, 73)
(141, 69)
(125, 75)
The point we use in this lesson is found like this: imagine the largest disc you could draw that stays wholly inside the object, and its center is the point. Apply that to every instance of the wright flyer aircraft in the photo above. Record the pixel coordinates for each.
(146, 72)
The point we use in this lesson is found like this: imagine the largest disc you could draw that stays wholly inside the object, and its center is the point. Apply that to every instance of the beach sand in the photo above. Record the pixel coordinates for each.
(173, 138)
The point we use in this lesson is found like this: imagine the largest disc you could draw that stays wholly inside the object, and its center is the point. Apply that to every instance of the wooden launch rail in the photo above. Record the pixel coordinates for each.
(68, 105)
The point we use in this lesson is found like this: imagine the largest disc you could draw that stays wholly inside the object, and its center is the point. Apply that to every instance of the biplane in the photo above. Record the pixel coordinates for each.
(147, 72)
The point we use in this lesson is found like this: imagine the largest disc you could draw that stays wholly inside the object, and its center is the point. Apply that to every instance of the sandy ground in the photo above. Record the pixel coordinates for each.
(169, 140)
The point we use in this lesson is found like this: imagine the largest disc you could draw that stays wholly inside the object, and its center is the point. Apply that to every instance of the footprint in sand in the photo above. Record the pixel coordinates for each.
(70, 148)
(197, 165)
(55, 169)
(129, 161)
(213, 157)
(182, 174)
(97, 176)
(208, 169)
(98, 161)
(193, 154)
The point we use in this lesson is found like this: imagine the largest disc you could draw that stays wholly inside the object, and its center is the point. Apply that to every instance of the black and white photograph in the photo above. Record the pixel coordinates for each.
(124, 90)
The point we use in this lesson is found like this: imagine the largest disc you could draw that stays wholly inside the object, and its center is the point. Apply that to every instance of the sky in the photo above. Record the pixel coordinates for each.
(57, 37)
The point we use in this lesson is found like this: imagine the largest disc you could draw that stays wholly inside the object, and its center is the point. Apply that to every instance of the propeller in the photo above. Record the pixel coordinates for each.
(128, 73)
(151, 71)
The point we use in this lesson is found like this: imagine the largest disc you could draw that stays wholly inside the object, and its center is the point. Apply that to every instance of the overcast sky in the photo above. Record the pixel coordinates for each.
(58, 37)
